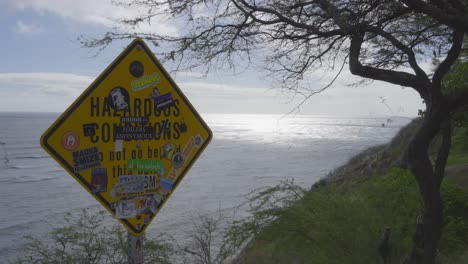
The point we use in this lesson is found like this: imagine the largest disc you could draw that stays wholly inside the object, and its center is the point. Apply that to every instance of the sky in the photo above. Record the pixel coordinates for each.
(43, 68)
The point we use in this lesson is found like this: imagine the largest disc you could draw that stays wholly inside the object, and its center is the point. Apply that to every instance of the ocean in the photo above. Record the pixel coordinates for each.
(247, 152)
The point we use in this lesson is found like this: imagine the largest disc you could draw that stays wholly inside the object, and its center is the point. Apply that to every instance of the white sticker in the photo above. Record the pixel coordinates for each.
(125, 209)
(118, 145)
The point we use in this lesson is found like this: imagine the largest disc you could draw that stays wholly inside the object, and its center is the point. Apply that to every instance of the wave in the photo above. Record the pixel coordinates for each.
(15, 146)
(24, 225)
(45, 219)
(11, 167)
(39, 166)
(32, 157)
(24, 180)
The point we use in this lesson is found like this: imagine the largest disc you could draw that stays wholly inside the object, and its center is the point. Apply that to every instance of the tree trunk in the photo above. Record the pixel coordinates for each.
(433, 211)
(429, 229)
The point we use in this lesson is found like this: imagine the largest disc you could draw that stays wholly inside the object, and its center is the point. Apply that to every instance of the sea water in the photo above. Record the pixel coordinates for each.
(247, 152)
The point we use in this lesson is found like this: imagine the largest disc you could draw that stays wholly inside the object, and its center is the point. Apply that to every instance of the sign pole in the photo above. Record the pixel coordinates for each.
(135, 249)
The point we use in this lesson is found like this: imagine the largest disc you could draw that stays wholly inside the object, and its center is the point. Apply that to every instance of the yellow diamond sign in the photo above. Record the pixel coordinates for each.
(130, 138)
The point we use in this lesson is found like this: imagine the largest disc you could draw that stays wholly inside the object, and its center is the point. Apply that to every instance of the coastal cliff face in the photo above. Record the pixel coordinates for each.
(342, 217)
(375, 160)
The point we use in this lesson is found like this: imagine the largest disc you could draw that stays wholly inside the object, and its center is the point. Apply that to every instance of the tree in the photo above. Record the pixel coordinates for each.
(385, 40)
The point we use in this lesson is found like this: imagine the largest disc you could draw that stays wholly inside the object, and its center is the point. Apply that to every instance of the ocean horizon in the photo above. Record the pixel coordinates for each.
(248, 151)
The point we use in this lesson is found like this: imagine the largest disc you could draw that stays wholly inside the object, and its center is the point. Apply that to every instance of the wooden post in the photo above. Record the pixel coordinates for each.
(135, 249)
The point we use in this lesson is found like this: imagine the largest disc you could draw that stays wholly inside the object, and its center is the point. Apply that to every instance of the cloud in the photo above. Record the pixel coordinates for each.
(221, 90)
(24, 28)
(339, 100)
(54, 92)
(102, 12)
(44, 83)
(40, 91)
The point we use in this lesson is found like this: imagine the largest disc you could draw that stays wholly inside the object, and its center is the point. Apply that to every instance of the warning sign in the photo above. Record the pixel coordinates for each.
(130, 138)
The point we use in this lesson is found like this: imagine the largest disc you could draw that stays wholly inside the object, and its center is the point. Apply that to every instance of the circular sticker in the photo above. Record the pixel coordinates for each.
(119, 98)
(70, 140)
(137, 69)
(124, 209)
(178, 160)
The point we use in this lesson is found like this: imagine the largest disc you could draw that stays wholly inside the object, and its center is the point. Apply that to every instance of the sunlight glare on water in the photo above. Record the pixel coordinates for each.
(282, 130)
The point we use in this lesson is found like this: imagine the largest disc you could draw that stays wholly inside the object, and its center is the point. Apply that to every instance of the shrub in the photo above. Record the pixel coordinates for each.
(86, 238)
(343, 223)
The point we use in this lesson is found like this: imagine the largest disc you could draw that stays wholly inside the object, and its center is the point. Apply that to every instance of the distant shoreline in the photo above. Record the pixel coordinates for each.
(375, 116)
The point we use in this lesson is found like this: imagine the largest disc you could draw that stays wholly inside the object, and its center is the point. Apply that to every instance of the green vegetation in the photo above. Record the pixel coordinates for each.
(343, 224)
(342, 218)
(87, 238)
(459, 150)
(457, 169)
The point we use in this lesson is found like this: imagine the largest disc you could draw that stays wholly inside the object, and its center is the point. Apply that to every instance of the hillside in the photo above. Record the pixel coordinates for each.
(341, 219)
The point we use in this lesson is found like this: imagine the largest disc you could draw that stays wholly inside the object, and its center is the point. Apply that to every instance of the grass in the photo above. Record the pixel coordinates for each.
(458, 175)
(457, 164)
(341, 221)
(459, 149)
(343, 224)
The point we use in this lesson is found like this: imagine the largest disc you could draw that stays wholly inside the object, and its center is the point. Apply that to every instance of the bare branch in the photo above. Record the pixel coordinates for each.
(454, 17)
(452, 56)
(298, 37)
(308, 96)
(407, 50)
(280, 18)
(395, 77)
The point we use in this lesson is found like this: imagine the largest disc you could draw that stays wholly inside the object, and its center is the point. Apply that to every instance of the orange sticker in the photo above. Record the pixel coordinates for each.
(70, 140)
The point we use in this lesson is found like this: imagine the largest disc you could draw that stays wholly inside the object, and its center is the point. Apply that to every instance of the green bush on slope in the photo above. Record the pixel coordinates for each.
(343, 224)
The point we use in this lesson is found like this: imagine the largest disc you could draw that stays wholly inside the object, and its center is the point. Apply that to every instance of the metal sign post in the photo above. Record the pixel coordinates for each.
(135, 249)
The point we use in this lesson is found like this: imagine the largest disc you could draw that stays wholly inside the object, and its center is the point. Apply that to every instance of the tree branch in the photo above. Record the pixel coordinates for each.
(395, 77)
(200, 256)
(281, 18)
(404, 48)
(444, 149)
(455, 20)
(308, 96)
(451, 58)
